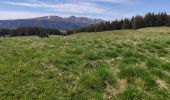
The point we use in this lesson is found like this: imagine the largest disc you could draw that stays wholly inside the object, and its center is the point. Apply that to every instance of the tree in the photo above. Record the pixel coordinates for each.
(161, 19)
(149, 20)
(69, 32)
(4, 32)
(168, 22)
(132, 21)
(138, 22)
(114, 25)
(126, 24)
(29, 31)
(43, 34)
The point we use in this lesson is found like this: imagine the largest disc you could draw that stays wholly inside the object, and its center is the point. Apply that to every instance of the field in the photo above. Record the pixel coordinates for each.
(115, 65)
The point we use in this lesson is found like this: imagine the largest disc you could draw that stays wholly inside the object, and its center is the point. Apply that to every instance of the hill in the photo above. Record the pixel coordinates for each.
(54, 22)
(120, 65)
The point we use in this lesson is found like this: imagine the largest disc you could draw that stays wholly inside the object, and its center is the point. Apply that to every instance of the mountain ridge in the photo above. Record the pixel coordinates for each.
(56, 22)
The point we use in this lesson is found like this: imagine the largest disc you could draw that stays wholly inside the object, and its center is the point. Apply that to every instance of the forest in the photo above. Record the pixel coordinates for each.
(136, 22)
(29, 31)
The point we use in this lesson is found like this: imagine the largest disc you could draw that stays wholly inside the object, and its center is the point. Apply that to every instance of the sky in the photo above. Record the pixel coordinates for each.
(98, 9)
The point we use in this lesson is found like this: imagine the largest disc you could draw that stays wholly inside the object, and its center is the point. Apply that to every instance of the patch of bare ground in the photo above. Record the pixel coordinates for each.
(113, 91)
(162, 84)
(120, 86)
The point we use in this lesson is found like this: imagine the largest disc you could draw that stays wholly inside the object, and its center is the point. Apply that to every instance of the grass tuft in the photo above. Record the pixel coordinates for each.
(92, 56)
(166, 66)
(133, 93)
(112, 54)
(153, 63)
(98, 79)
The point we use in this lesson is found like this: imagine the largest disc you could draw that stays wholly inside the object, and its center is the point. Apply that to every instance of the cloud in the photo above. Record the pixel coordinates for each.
(10, 15)
(75, 7)
(5, 15)
(86, 8)
(124, 2)
(105, 1)
(115, 1)
(109, 1)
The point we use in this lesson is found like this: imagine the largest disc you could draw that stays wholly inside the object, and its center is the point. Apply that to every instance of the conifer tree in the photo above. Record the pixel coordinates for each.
(138, 22)
(168, 22)
(149, 20)
(126, 24)
(161, 19)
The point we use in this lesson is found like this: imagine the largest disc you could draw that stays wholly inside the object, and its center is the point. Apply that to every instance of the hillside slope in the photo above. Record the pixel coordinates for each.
(121, 65)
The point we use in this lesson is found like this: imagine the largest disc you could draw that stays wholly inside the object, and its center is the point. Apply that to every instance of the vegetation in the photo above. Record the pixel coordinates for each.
(29, 31)
(112, 65)
(43, 34)
(136, 22)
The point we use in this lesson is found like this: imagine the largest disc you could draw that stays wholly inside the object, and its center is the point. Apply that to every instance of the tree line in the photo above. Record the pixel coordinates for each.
(136, 22)
(29, 31)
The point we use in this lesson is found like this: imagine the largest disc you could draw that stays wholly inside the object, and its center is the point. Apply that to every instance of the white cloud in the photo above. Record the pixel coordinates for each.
(5, 15)
(86, 8)
(78, 7)
(109, 1)
(125, 2)
(106, 1)
(115, 1)
(9, 15)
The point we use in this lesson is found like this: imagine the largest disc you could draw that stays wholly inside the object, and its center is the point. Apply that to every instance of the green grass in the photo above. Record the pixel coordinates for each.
(98, 78)
(113, 65)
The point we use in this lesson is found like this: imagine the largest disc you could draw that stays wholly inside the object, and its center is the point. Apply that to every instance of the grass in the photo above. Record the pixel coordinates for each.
(113, 65)
(98, 78)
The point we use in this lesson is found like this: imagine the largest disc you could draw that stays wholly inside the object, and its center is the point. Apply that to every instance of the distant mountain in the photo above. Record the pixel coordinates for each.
(55, 22)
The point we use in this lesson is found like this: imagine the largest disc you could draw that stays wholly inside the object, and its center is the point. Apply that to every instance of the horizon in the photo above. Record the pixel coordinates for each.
(95, 9)
(82, 17)
(53, 16)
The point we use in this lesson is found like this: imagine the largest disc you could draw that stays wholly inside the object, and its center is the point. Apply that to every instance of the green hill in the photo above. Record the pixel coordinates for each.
(113, 65)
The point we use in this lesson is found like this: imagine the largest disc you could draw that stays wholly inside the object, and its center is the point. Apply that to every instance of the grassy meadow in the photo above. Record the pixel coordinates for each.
(114, 65)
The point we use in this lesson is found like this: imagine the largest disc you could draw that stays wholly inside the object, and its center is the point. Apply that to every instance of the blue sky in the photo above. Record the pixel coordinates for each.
(104, 9)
